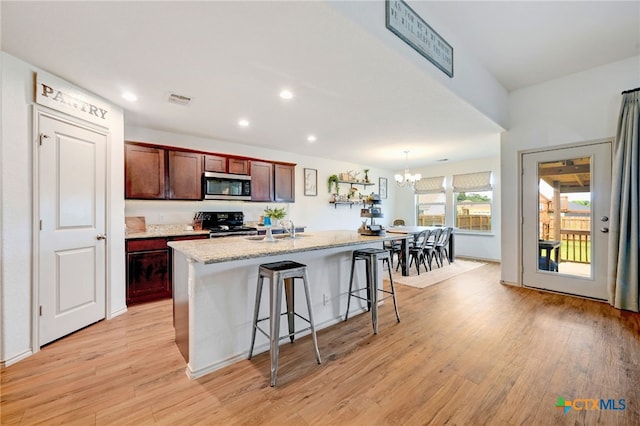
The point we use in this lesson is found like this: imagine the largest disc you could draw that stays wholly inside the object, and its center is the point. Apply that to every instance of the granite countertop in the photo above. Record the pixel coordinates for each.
(219, 250)
(159, 231)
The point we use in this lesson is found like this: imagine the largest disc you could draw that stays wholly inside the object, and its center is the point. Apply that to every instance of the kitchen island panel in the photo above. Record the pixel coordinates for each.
(221, 299)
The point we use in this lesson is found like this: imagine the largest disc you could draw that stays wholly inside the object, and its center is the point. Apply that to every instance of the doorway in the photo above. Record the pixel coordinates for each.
(70, 243)
(565, 205)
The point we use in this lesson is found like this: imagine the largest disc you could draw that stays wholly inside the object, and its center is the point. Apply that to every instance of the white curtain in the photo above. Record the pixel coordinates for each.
(624, 229)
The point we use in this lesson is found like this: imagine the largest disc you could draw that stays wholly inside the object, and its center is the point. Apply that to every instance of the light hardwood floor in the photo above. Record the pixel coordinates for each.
(468, 351)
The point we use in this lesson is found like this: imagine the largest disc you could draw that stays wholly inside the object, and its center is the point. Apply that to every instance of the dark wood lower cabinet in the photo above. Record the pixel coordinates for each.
(149, 268)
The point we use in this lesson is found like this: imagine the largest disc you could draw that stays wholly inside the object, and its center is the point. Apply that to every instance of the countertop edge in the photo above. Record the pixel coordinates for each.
(192, 252)
(168, 234)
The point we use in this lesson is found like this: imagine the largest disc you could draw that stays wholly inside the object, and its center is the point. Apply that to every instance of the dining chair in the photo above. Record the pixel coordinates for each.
(416, 253)
(395, 248)
(442, 245)
(430, 247)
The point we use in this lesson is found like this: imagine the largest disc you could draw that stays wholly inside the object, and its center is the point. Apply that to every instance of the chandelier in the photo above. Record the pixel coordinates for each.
(407, 179)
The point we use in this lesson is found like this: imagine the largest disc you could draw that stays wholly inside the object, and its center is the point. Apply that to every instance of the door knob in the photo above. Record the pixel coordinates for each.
(604, 218)
(604, 230)
(101, 237)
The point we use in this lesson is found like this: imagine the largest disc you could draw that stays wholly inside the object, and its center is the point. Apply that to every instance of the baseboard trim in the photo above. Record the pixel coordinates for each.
(478, 259)
(14, 359)
(196, 374)
(117, 313)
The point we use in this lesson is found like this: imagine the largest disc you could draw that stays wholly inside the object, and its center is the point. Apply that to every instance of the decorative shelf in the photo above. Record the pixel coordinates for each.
(349, 203)
(372, 215)
(354, 182)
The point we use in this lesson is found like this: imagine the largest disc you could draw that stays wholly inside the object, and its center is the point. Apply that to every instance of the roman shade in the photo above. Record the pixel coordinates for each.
(480, 181)
(430, 185)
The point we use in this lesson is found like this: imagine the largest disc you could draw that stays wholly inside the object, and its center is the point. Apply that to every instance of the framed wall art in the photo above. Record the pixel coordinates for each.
(382, 187)
(310, 182)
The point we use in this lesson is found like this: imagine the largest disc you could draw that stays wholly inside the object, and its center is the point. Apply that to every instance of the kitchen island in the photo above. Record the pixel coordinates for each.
(214, 284)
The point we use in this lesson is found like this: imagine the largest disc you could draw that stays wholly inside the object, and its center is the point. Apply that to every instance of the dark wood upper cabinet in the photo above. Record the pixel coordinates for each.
(215, 163)
(144, 169)
(157, 172)
(261, 181)
(238, 166)
(185, 175)
(284, 183)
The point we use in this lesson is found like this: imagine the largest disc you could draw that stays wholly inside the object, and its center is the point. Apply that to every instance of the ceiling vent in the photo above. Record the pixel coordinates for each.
(179, 99)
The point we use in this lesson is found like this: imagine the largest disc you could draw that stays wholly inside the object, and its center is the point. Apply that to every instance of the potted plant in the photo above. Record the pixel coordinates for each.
(333, 181)
(275, 214)
(366, 175)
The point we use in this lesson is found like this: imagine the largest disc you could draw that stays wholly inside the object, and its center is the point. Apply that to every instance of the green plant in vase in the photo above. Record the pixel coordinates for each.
(333, 181)
(275, 213)
(366, 175)
(274, 216)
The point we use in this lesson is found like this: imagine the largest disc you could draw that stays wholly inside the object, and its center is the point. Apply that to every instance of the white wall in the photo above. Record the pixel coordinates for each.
(16, 220)
(477, 246)
(314, 212)
(471, 81)
(577, 108)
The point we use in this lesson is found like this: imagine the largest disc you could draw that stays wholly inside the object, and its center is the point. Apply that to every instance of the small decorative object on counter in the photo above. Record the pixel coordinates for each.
(273, 216)
(267, 224)
(275, 213)
(197, 221)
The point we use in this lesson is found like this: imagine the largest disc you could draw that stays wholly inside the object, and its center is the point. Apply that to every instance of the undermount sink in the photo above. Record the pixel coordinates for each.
(276, 236)
(283, 236)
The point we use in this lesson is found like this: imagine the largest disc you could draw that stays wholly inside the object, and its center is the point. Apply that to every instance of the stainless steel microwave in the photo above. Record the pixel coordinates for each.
(226, 186)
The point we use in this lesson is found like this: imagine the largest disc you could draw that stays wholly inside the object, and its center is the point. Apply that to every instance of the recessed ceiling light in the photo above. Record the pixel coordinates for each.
(243, 122)
(129, 96)
(312, 138)
(442, 160)
(286, 94)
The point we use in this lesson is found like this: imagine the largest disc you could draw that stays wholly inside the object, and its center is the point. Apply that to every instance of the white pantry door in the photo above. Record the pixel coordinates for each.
(71, 259)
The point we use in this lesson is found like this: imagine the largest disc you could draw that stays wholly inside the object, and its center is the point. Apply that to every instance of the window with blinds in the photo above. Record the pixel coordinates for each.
(473, 198)
(431, 201)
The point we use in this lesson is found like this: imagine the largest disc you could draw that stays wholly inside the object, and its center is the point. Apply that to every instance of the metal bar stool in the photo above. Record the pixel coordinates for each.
(371, 256)
(281, 274)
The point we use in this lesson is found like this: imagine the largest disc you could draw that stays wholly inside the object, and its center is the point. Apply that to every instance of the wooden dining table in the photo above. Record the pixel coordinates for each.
(415, 230)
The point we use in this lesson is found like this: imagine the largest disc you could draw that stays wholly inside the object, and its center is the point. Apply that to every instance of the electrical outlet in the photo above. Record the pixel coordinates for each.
(325, 299)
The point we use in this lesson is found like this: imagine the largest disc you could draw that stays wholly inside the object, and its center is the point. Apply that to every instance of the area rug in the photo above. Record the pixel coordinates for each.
(436, 275)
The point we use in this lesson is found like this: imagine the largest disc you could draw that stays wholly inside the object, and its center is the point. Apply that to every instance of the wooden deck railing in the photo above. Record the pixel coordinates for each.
(576, 246)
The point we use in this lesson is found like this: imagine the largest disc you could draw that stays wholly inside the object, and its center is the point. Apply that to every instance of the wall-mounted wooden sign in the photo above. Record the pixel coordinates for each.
(62, 96)
(410, 27)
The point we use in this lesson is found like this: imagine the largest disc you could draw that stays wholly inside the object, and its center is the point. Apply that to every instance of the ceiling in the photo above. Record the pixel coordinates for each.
(365, 102)
(567, 176)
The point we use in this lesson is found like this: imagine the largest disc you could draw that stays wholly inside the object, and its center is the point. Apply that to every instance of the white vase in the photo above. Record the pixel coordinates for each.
(268, 235)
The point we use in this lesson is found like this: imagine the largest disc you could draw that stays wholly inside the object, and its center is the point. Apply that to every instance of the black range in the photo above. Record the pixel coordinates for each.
(225, 224)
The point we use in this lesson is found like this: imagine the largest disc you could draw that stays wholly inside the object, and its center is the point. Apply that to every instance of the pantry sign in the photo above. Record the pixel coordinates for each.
(61, 96)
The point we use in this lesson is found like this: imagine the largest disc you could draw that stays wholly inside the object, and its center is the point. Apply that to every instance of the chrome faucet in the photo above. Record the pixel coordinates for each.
(292, 230)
